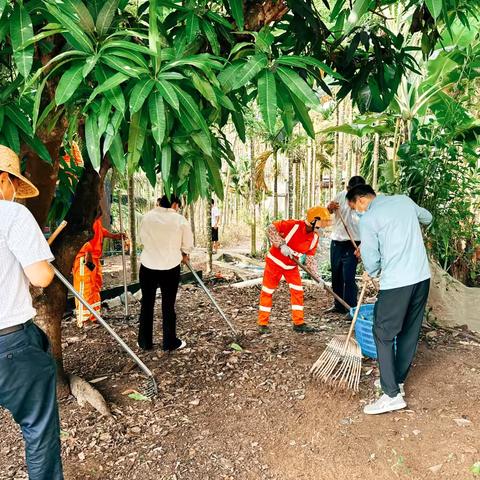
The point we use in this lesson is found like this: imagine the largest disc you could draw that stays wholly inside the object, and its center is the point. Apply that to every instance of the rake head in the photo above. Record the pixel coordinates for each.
(151, 389)
(340, 364)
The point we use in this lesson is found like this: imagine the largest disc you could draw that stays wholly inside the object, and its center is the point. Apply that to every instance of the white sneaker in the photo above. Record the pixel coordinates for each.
(385, 404)
(182, 345)
(378, 386)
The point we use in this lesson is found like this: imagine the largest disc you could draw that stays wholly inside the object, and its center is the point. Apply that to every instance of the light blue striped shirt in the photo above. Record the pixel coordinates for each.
(392, 244)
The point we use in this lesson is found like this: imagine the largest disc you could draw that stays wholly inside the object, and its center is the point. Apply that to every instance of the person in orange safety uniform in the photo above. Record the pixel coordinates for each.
(87, 271)
(290, 239)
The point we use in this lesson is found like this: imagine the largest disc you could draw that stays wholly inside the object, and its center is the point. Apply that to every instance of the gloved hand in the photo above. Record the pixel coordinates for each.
(286, 250)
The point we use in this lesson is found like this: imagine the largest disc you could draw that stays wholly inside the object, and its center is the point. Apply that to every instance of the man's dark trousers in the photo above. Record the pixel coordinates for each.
(398, 313)
(344, 267)
(150, 281)
(28, 391)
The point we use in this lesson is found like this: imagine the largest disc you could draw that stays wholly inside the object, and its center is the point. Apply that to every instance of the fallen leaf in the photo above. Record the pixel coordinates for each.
(236, 347)
(462, 422)
(138, 396)
(436, 468)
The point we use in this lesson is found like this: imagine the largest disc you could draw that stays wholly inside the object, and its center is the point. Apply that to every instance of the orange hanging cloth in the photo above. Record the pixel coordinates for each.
(89, 282)
(277, 265)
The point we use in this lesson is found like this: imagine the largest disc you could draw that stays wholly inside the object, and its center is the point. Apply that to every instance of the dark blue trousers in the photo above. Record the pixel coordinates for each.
(28, 391)
(344, 267)
(398, 313)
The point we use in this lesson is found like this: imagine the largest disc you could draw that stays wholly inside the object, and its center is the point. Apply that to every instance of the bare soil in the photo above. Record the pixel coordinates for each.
(254, 414)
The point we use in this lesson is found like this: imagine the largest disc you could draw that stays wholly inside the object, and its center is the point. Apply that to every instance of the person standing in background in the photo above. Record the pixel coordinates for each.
(167, 242)
(87, 271)
(343, 256)
(27, 370)
(215, 225)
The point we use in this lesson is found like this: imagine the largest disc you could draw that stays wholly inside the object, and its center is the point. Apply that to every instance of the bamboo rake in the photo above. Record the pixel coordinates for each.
(340, 364)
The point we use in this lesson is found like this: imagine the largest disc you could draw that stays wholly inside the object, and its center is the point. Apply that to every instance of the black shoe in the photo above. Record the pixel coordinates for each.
(304, 328)
(335, 309)
(145, 348)
(263, 329)
(179, 345)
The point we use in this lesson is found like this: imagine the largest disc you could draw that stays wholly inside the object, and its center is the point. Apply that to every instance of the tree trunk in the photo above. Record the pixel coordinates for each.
(192, 223)
(208, 226)
(298, 195)
(253, 236)
(133, 229)
(376, 154)
(275, 183)
(50, 302)
(290, 186)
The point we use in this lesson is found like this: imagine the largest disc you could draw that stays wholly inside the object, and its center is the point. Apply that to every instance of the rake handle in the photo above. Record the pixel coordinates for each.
(57, 232)
(349, 233)
(321, 282)
(355, 316)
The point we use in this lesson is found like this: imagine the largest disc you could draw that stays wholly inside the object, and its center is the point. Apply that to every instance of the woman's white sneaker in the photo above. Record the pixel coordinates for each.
(385, 404)
(378, 386)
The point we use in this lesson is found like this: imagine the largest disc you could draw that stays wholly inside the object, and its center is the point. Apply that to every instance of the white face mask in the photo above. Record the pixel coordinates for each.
(14, 190)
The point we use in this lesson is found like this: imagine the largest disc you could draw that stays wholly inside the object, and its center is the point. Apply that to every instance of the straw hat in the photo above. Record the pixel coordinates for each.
(10, 163)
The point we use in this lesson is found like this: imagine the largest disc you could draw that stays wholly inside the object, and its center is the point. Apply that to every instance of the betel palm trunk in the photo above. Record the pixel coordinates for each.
(275, 183)
(132, 228)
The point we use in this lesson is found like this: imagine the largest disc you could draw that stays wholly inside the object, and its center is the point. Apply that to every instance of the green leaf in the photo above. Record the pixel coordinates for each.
(124, 45)
(302, 114)
(205, 88)
(302, 62)
(156, 109)
(92, 140)
(168, 93)
(138, 396)
(191, 109)
(11, 136)
(148, 161)
(249, 70)
(135, 57)
(3, 4)
(360, 8)
(112, 130)
(200, 174)
(211, 35)
(215, 177)
(434, 7)
(166, 166)
(136, 138)
(298, 87)
(123, 66)
(236, 347)
(140, 93)
(106, 15)
(103, 116)
(220, 20)
(75, 36)
(81, 14)
(267, 99)
(236, 7)
(192, 27)
(16, 116)
(69, 83)
(203, 61)
(21, 31)
(109, 84)
(39, 148)
(117, 154)
(2, 117)
(228, 76)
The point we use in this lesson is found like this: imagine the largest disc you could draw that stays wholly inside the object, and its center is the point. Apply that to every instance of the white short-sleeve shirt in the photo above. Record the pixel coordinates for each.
(21, 244)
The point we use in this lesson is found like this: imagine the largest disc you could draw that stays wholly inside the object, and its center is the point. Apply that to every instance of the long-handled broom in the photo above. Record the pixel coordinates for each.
(342, 352)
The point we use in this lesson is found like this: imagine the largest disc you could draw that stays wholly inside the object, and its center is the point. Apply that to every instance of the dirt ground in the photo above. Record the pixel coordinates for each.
(254, 414)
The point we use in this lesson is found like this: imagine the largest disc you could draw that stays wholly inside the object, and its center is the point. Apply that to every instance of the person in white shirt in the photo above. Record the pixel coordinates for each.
(343, 256)
(27, 370)
(215, 224)
(167, 242)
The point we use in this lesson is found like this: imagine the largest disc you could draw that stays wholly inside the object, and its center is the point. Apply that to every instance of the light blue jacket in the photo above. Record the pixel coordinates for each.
(392, 245)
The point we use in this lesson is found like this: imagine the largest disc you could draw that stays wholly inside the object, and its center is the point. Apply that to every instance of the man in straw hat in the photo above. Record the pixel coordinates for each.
(27, 370)
(290, 239)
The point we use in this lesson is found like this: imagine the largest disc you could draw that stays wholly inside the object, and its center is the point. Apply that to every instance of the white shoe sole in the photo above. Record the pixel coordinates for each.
(391, 408)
